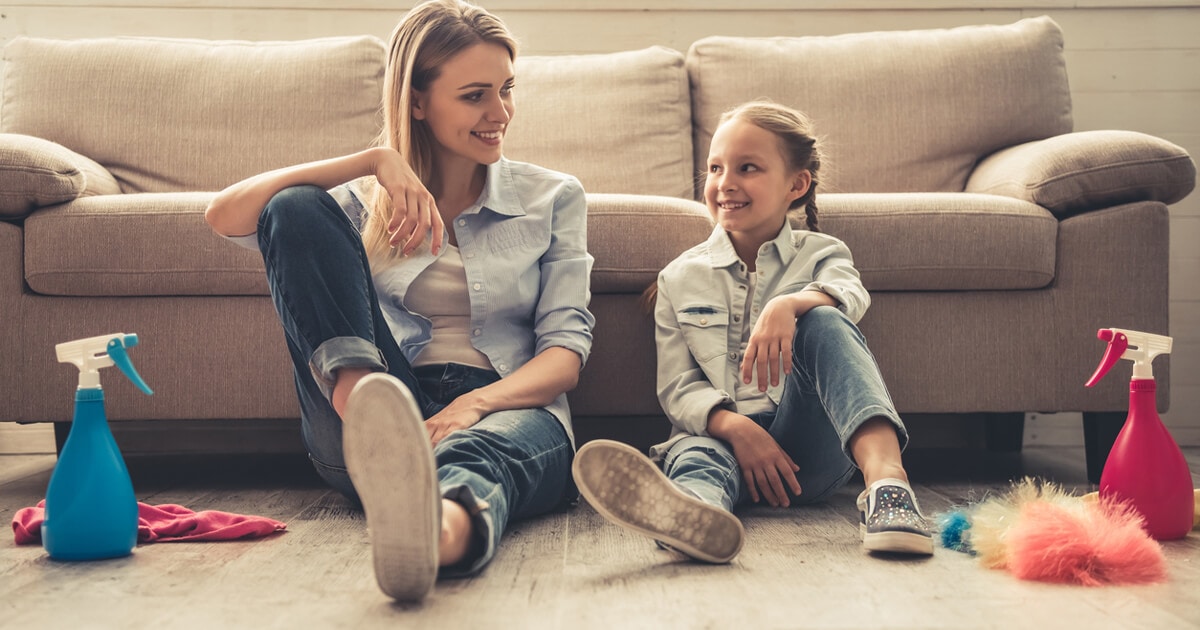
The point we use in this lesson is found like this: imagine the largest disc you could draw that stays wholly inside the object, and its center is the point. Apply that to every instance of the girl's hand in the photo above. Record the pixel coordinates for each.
(456, 416)
(768, 470)
(414, 210)
(769, 349)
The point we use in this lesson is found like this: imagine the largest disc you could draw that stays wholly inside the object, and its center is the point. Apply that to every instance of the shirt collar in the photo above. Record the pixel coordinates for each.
(721, 253)
(500, 191)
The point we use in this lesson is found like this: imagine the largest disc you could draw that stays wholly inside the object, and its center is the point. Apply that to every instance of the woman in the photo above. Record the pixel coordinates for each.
(431, 377)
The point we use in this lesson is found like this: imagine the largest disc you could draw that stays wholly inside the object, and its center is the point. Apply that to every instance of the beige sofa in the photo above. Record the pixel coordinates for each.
(994, 240)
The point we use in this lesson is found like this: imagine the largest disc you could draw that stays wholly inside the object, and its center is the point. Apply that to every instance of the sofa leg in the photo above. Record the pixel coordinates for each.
(1004, 432)
(61, 431)
(1100, 429)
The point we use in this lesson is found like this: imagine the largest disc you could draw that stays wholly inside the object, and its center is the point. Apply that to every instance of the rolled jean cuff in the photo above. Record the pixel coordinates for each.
(342, 352)
(483, 528)
(874, 411)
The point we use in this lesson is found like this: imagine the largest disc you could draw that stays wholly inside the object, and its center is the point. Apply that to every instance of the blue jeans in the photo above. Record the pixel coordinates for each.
(834, 387)
(512, 464)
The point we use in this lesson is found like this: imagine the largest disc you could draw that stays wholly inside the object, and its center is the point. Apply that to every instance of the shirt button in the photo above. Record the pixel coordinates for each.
(477, 286)
(476, 332)
(502, 367)
(703, 321)
(470, 254)
(462, 222)
(737, 318)
(733, 356)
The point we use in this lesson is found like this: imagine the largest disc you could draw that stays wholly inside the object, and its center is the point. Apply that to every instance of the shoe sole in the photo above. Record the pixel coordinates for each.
(391, 463)
(897, 542)
(626, 488)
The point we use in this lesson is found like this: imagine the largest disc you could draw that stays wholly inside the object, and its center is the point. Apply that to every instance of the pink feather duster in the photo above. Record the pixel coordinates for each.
(1103, 543)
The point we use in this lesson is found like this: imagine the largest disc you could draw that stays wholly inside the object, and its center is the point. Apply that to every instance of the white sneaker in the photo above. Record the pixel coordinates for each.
(891, 520)
(391, 463)
(625, 487)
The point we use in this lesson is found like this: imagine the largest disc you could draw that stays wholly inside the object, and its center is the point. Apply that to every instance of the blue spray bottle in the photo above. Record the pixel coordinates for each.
(91, 511)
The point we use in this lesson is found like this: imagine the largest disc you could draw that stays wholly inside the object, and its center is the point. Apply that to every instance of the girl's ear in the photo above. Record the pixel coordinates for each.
(800, 184)
(419, 103)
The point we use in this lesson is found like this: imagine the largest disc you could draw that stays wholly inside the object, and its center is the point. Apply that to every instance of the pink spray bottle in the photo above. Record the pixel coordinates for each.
(1145, 466)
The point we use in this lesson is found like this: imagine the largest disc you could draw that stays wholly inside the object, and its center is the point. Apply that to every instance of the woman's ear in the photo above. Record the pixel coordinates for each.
(418, 104)
(800, 184)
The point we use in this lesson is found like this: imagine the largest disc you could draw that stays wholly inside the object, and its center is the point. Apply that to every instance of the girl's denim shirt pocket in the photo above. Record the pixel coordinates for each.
(704, 326)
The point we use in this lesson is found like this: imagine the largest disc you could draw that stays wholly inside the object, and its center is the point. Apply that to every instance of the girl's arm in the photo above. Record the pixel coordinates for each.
(235, 210)
(769, 349)
(766, 467)
(684, 391)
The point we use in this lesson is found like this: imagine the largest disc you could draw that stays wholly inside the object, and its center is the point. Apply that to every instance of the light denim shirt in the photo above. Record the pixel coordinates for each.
(699, 322)
(524, 249)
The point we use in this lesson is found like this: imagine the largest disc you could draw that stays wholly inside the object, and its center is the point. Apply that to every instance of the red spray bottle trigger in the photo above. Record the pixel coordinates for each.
(1118, 342)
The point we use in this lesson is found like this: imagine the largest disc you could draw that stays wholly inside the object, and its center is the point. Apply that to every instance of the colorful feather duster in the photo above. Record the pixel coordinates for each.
(1037, 531)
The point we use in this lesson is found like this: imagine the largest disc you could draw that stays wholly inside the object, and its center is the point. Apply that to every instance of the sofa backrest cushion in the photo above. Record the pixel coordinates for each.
(620, 122)
(176, 115)
(909, 111)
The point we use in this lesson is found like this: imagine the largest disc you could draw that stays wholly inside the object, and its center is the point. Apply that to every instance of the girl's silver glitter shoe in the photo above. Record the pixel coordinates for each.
(892, 520)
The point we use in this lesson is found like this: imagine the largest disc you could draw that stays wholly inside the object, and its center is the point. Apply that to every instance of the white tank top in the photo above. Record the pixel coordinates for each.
(439, 294)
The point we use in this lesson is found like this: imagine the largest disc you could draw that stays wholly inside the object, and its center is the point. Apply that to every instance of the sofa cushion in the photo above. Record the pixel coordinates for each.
(36, 172)
(943, 241)
(632, 237)
(136, 244)
(620, 122)
(178, 115)
(1087, 170)
(907, 111)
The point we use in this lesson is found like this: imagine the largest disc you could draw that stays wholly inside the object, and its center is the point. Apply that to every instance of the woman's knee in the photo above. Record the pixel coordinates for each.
(302, 210)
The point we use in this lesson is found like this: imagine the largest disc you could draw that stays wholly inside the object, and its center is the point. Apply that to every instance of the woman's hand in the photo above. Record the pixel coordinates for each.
(414, 210)
(769, 349)
(458, 415)
(768, 470)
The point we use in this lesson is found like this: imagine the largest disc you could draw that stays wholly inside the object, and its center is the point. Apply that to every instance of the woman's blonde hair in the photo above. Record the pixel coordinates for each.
(797, 141)
(425, 39)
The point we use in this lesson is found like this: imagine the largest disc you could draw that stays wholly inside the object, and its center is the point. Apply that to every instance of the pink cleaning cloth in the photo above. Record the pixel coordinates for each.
(163, 523)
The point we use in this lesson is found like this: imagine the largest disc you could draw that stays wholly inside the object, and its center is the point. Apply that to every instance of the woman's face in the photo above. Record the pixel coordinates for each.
(469, 105)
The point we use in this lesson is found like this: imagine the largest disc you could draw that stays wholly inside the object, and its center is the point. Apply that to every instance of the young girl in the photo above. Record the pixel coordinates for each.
(769, 384)
(431, 378)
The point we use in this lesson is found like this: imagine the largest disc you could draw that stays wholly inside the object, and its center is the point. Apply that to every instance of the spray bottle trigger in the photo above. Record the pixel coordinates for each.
(116, 351)
(1117, 344)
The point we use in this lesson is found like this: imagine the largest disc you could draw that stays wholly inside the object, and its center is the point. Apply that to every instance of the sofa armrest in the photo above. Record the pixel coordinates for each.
(1074, 172)
(35, 173)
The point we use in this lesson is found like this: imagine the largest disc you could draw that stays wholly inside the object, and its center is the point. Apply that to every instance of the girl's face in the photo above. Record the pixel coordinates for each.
(749, 184)
(469, 105)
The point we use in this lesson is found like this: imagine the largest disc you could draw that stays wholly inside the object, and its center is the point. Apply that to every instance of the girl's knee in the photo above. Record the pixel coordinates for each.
(824, 322)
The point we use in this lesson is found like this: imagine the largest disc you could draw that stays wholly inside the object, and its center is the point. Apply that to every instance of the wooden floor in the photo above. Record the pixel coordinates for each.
(800, 568)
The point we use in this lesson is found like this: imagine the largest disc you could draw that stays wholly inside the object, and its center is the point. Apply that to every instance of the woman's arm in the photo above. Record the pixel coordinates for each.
(536, 384)
(562, 325)
(235, 210)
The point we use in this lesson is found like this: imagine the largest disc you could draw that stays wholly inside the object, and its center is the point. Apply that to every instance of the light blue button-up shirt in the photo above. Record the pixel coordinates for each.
(700, 322)
(524, 248)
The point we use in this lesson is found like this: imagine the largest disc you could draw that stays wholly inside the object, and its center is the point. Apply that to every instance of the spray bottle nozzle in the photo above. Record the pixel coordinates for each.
(1139, 347)
(94, 353)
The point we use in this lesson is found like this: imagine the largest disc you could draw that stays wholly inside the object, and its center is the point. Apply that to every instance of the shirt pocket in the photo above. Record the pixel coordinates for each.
(705, 329)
